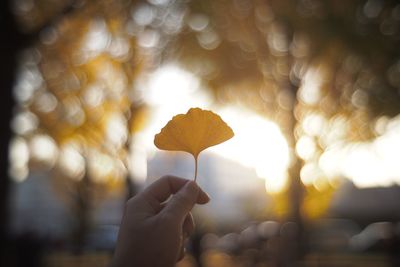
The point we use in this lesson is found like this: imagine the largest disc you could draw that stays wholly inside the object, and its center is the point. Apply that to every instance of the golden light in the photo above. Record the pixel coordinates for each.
(313, 124)
(258, 143)
(98, 38)
(367, 164)
(306, 147)
(170, 90)
(311, 174)
(170, 86)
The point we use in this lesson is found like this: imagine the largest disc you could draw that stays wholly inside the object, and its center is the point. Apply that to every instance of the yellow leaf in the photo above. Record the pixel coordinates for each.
(193, 132)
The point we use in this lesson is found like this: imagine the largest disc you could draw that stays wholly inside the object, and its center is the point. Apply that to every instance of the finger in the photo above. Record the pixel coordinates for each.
(183, 201)
(187, 230)
(203, 197)
(160, 190)
(181, 253)
(188, 225)
(159, 207)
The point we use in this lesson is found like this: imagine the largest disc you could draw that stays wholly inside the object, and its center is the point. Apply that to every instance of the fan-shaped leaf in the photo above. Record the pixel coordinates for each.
(193, 132)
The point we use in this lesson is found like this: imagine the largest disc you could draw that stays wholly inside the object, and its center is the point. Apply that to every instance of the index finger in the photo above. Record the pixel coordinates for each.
(163, 188)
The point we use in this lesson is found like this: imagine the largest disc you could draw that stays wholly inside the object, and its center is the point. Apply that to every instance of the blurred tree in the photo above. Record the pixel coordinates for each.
(14, 41)
(76, 89)
(8, 51)
(328, 62)
(309, 65)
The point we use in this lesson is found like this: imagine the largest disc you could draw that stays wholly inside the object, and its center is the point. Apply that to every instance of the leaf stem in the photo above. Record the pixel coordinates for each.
(195, 169)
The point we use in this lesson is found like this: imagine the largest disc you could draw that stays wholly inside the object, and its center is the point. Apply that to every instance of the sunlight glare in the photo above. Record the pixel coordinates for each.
(313, 124)
(258, 143)
(169, 84)
(367, 164)
(311, 174)
(170, 90)
(306, 147)
(138, 160)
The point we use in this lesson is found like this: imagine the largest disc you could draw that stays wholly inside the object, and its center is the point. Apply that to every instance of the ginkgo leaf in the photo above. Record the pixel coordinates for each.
(193, 132)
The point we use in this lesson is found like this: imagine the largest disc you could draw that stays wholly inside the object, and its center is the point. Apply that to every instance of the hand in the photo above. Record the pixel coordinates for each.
(153, 231)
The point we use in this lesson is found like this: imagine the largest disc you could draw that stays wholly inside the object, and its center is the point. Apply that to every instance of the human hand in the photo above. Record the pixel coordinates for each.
(153, 230)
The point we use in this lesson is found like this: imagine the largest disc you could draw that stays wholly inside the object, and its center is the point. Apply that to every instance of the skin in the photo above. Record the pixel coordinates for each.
(156, 223)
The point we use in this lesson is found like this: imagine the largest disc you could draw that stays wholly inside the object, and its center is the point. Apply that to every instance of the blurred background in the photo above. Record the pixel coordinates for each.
(311, 89)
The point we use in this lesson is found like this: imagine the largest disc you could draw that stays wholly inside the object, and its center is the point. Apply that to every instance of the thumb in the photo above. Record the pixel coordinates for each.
(183, 201)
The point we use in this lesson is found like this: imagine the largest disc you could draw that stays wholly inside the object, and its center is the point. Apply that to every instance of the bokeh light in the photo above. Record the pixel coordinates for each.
(368, 164)
(258, 144)
(310, 88)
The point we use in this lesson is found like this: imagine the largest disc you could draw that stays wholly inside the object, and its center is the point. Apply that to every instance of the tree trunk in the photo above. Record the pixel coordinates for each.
(296, 189)
(13, 41)
(9, 49)
(83, 213)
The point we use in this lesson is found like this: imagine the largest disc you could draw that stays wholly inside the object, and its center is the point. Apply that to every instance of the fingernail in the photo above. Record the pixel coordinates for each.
(193, 186)
(206, 195)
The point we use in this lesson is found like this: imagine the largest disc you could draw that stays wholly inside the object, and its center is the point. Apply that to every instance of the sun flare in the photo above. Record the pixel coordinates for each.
(258, 143)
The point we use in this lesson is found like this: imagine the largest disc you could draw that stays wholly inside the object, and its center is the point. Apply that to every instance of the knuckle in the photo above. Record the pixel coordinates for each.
(182, 203)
